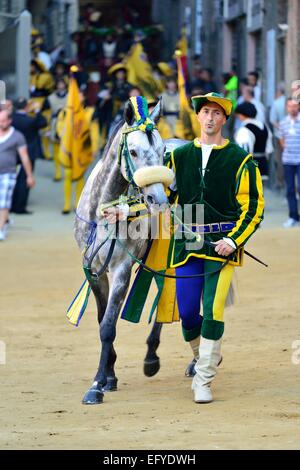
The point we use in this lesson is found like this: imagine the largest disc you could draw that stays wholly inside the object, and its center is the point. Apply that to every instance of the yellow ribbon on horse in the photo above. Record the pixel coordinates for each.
(157, 259)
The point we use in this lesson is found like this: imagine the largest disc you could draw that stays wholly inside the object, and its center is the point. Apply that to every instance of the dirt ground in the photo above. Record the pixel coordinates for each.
(50, 364)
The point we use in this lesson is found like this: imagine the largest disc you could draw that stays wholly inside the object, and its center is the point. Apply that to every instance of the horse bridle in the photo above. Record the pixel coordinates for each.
(123, 150)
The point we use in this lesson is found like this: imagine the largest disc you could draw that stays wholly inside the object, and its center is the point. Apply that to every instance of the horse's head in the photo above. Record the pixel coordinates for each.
(143, 150)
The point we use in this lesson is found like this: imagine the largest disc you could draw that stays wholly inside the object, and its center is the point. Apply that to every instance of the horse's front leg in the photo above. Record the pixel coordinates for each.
(118, 290)
(100, 288)
(151, 361)
(101, 292)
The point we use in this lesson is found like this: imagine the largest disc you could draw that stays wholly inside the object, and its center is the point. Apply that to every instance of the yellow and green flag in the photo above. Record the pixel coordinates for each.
(187, 126)
(75, 144)
(139, 71)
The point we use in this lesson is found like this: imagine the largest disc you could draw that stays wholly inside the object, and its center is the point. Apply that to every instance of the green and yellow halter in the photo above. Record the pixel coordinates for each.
(142, 123)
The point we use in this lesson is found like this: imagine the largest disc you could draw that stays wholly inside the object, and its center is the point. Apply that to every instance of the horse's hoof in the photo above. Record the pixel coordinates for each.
(190, 370)
(94, 396)
(111, 385)
(151, 367)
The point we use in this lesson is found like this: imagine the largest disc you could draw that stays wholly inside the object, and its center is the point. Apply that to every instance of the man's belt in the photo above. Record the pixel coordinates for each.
(213, 228)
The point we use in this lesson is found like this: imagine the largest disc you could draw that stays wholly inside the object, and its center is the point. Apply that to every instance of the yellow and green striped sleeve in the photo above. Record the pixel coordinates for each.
(251, 202)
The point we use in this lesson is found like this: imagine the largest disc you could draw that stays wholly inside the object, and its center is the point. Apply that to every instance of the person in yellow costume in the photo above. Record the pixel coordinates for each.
(171, 104)
(78, 130)
(41, 85)
(57, 101)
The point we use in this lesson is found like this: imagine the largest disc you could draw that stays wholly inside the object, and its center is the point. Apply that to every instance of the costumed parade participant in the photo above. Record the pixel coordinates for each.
(41, 86)
(222, 178)
(57, 101)
(78, 131)
(171, 105)
(220, 181)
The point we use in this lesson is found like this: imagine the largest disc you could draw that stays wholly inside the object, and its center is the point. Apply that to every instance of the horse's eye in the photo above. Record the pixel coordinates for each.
(133, 153)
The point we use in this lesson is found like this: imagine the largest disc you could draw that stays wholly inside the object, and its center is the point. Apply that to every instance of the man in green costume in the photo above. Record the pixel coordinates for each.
(223, 180)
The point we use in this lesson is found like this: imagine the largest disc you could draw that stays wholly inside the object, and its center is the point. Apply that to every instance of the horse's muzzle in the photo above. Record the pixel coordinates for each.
(155, 196)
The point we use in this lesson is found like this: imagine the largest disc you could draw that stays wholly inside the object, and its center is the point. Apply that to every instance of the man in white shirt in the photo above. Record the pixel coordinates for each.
(253, 82)
(249, 97)
(254, 136)
(289, 131)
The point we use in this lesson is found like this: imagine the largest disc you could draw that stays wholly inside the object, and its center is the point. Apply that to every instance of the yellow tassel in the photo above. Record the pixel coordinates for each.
(79, 304)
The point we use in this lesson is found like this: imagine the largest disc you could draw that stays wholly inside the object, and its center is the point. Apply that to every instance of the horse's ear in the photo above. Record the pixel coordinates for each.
(157, 111)
(129, 113)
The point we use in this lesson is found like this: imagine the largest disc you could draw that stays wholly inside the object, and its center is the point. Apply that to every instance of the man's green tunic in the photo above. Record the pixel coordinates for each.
(229, 191)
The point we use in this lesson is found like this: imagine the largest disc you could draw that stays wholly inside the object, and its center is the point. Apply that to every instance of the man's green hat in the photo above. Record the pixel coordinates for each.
(200, 100)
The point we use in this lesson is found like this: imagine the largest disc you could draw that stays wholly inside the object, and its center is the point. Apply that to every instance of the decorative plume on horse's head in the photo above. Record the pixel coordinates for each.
(136, 111)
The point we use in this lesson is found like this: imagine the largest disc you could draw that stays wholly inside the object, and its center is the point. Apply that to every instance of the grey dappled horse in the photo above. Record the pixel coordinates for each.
(107, 182)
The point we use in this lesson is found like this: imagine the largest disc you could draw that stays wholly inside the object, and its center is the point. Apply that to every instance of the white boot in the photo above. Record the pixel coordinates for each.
(206, 369)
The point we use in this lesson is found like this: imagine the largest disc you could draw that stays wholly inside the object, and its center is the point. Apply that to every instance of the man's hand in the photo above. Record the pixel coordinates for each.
(30, 181)
(223, 248)
(112, 214)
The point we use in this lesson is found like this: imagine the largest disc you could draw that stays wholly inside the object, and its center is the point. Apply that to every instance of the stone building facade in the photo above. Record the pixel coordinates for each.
(241, 35)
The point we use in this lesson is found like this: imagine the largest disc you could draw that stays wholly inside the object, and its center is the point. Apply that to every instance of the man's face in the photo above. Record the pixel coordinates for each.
(5, 121)
(61, 87)
(8, 105)
(252, 80)
(246, 93)
(121, 75)
(211, 117)
(172, 86)
(205, 75)
(292, 108)
(134, 92)
(59, 69)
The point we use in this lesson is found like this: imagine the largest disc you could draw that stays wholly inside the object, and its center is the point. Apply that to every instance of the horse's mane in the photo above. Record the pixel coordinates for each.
(112, 136)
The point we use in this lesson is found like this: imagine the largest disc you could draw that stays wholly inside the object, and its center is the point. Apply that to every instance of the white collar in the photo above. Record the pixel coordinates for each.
(209, 145)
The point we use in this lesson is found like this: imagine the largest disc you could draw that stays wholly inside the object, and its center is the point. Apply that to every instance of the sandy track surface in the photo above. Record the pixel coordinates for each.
(50, 364)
